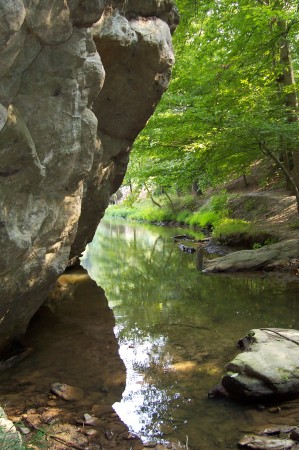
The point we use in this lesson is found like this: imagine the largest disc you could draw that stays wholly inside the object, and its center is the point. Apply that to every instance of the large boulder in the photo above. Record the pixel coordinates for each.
(78, 81)
(267, 257)
(267, 368)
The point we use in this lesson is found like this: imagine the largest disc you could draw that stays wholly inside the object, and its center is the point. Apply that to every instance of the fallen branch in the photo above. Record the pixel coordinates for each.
(55, 438)
(279, 334)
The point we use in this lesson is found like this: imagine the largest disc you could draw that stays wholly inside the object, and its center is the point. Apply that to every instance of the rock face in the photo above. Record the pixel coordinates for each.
(268, 368)
(78, 81)
(267, 257)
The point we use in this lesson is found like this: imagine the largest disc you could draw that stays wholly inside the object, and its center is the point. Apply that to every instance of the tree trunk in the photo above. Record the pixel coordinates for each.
(290, 179)
(170, 201)
(287, 80)
(151, 197)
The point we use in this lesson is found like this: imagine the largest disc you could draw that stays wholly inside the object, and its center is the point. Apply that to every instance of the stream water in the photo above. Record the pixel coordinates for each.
(177, 328)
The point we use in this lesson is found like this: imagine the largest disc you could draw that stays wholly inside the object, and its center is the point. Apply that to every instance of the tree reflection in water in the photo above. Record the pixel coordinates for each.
(177, 329)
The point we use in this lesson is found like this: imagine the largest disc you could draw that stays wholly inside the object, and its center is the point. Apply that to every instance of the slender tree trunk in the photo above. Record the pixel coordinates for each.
(287, 80)
(286, 172)
(170, 201)
(151, 197)
(130, 186)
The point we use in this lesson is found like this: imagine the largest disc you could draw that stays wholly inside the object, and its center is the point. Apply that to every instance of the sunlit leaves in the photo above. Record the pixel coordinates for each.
(225, 93)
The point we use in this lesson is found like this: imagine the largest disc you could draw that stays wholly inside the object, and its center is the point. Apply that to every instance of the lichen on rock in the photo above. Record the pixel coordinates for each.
(78, 81)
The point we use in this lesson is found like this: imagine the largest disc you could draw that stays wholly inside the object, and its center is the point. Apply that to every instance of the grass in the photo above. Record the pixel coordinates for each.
(227, 228)
(145, 213)
(211, 214)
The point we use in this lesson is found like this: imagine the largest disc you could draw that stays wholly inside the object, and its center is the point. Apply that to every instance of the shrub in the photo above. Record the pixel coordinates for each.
(219, 204)
(152, 214)
(226, 228)
(122, 212)
(183, 216)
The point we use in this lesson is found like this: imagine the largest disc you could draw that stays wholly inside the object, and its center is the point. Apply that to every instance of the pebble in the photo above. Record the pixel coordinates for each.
(24, 430)
(51, 403)
(90, 432)
(109, 434)
(92, 421)
(274, 410)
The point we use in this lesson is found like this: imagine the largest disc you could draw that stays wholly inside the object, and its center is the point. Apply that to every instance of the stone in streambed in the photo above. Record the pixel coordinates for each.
(92, 421)
(67, 392)
(267, 368)
(265, 443)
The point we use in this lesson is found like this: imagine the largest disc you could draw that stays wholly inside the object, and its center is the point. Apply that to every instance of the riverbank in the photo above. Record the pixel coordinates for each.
(247, 212)
(248, 219)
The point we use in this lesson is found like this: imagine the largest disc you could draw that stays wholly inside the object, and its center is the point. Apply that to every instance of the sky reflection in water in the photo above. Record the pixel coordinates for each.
(177, 328)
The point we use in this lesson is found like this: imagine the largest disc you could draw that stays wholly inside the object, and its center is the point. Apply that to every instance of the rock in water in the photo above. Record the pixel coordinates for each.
(78, 82)
(267, 368)
(67, 392)
(267, 257)
(264, 443)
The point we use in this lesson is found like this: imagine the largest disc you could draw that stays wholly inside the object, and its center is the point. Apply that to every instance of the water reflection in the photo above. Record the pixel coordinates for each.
(176, 328)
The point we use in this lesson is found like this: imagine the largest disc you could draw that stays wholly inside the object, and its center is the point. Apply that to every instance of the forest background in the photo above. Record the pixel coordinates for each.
(232, 103)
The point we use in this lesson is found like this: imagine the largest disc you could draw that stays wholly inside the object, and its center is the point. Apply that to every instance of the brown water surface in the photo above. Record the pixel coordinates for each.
(177, 328)
(72, 343)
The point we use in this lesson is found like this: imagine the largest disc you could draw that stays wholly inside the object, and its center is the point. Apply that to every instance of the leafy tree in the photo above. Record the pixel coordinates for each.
(232, 96)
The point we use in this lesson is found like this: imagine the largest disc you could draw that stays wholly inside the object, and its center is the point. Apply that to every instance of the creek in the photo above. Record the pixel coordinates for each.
(177, 328)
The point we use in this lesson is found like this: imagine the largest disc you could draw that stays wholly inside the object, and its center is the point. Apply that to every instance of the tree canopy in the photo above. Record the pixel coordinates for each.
(232, 96)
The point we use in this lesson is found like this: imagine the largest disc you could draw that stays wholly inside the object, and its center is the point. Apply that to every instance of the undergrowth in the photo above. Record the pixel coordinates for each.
(211, 214)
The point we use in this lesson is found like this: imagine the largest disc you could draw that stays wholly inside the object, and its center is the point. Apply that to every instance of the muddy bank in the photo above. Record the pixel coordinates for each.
(68, 348)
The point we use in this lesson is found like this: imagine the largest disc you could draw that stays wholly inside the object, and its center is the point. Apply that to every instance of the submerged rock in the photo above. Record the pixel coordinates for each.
(268, 367)
(281, 437)
(266, 443)
(67, 392)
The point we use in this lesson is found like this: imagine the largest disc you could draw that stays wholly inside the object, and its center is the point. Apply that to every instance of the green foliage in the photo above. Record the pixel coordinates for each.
(202, 219)
(295, 225)
(188, 202)
(183, 216)
(229, 227)
(226, 99)
(38, 440)
(131, 199)
(145, 212)
(153, 214)
(122, 212)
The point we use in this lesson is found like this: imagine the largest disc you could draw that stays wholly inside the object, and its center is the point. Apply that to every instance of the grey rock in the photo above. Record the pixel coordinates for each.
(267, 368)
(78, 81)
(10, 438)
(267, 257)
(265, 443)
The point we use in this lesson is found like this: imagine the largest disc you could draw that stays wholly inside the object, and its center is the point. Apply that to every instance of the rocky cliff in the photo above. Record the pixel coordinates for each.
(78, 81)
